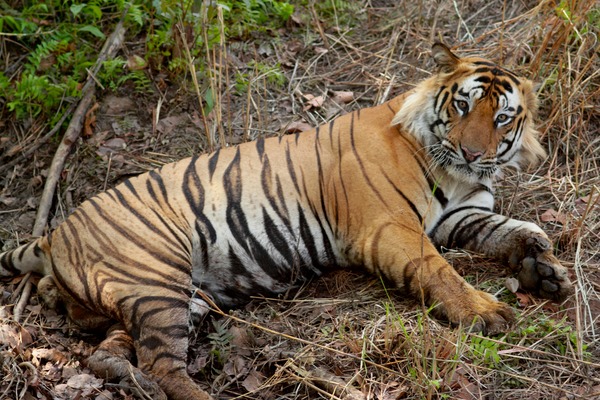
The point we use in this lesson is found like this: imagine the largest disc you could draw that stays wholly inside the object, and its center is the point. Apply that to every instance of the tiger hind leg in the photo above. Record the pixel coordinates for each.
(112, 361)
(54, 298)
(159, 326)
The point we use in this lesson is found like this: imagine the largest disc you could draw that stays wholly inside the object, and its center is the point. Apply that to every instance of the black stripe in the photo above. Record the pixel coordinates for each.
(406, 199)
(454, 211)
(212, 163)
(472, 229)
(361, 165)
(441, 104)
(7, 264)
(274, 195)
(308, 239)
(290, 166)
(518, 130)
(141, 242)
(108, 248)
(260, 147)
(176, 230)
(331, 131)
(507, 86)
(492, 230)
(193, 191)
(341, 180)
(238, 225)
(483, 79)
(277, 239)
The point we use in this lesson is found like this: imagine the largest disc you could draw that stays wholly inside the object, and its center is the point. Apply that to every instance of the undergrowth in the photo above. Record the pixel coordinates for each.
(59, 41)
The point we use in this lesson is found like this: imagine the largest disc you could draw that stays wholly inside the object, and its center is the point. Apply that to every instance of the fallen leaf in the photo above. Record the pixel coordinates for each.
(105, 395)
(115, 143)
(342, 97)
(512, 284)
(552, 215)
(313, 102)
(524, 300)
(50, 354)
(582, 203)
(297, 126)
(7, 201)
(198, 364)
(15, 337)
(135, 62)
(253, 381)
(89, 122)
(234, 366)
(84, 381)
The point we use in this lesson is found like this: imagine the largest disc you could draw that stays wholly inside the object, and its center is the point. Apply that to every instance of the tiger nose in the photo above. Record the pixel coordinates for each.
(469, 154)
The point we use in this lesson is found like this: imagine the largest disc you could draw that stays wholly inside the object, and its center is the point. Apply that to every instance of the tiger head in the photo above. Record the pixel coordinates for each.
(473, 117)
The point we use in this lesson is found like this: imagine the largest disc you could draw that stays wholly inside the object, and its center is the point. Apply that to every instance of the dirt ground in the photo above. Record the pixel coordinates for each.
(344, 336)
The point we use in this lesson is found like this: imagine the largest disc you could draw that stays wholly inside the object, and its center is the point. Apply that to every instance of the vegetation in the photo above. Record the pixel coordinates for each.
(59, 41)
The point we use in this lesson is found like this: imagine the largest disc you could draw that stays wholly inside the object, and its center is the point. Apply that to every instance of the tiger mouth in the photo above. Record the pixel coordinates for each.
(449, 160)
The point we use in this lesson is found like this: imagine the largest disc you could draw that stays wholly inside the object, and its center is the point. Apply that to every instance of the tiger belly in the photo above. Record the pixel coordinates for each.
(260, 253)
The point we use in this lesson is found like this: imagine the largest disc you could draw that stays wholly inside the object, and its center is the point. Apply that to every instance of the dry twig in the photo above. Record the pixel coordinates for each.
(110, 48)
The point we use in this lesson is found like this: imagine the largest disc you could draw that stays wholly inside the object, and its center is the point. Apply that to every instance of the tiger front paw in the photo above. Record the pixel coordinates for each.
(539, 271)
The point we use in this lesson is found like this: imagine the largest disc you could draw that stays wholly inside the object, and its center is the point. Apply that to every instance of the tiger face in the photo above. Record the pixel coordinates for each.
(477, 118)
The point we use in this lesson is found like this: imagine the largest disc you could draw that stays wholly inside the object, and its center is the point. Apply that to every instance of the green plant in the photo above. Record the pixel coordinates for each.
(61, 39)
(220, 340)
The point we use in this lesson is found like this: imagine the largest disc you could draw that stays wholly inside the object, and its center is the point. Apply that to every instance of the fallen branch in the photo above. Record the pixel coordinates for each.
(112, 44)
(331, 384)
(24, 299)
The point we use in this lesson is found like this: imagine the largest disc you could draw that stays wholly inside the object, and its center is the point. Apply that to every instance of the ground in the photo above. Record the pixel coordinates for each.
(343, 336)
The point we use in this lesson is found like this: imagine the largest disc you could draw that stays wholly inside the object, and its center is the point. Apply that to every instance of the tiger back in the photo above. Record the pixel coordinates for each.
(381, 188)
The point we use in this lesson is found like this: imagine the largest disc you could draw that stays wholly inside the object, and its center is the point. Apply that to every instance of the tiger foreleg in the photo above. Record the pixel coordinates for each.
(522, 245)
(413, 264)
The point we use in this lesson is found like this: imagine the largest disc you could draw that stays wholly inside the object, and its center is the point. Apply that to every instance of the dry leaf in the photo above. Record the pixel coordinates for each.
(50, 355)
(512, 284)
(253, 381)
(552, 215)
(198, 364)
(234, 366)
(89, 122)
(135, 62)
(342, 97)
(297, 126)
(581, 204)
(7, 201)
(313, 102)
(524, 300)
(84, 381)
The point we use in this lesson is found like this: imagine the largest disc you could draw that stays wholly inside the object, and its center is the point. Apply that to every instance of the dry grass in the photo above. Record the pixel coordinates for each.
(345, 336)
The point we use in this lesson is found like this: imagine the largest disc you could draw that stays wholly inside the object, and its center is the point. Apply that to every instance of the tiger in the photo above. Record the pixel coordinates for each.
(382, 188)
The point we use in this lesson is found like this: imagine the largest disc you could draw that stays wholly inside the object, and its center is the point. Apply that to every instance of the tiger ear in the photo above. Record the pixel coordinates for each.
(446, 60)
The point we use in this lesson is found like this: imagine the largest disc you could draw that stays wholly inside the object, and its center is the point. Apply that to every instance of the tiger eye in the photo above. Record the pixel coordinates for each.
(502, 118)
(462, 106)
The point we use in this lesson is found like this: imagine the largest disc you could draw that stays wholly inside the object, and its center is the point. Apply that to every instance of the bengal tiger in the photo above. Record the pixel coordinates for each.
(382, 188)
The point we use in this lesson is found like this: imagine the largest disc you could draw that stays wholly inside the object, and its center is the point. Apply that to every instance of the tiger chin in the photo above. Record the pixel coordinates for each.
(382, 188)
